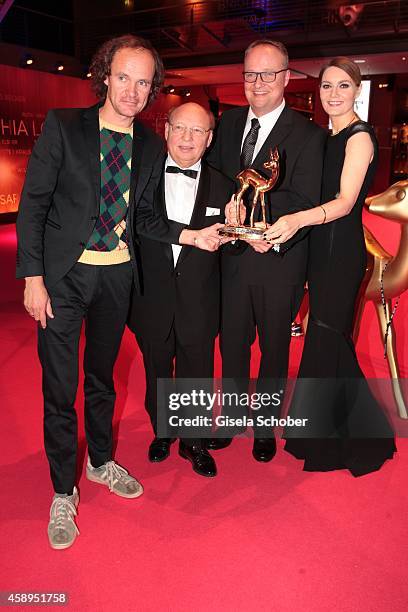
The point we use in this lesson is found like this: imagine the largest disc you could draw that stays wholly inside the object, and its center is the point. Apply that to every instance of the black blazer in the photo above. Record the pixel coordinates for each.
(188, 294)
(61, 195)
(301, 147)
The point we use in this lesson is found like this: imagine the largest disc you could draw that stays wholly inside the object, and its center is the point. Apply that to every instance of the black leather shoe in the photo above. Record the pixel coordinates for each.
(217, 443)
(199, 458)
(264, 449)
(159, 449)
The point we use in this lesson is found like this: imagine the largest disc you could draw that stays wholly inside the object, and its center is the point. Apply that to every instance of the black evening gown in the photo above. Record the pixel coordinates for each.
(346, 428)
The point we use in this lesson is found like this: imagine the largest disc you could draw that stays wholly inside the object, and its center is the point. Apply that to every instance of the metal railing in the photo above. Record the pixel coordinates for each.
(208, 26)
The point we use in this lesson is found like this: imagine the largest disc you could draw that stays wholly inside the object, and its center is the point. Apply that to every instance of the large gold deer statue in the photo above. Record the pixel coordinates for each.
(251, 178)
(391, 204)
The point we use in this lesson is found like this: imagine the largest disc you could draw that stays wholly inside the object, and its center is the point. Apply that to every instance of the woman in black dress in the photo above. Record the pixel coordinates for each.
(346, 428)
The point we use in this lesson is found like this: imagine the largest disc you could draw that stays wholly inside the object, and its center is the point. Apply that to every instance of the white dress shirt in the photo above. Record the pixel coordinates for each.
(180, 193)
(266, 123)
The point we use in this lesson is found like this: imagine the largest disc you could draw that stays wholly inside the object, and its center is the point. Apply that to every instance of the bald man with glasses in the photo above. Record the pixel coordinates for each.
(176, 318)
(261, 289)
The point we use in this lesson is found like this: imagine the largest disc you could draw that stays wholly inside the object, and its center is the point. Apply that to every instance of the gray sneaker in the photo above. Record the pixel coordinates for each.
(62, 529)
(116, 478)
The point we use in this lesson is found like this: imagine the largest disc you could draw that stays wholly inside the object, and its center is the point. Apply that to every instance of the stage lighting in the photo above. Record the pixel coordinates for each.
(59, 67)
(350, 14)
(85, 73)
(27, 60)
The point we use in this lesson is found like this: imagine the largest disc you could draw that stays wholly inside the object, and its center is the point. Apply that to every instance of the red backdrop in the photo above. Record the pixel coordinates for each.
(25, 97)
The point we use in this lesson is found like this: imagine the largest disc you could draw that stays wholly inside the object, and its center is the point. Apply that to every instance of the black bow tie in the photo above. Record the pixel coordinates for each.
(176, 170)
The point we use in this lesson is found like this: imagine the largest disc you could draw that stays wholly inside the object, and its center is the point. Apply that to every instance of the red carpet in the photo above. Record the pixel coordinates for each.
(257, 537)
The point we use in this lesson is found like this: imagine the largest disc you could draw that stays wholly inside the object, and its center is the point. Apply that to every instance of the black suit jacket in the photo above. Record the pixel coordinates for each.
(188, 294)
(301, 147)
(61, 195)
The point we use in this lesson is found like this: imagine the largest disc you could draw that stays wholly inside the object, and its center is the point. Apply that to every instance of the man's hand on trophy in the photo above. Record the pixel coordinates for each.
(231, 215)
(283, 229)
(207, 239)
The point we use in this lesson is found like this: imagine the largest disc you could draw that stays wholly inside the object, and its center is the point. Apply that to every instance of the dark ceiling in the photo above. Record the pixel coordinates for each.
(208, 32)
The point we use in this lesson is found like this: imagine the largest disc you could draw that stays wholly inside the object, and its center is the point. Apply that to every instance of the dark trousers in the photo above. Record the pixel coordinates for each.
(100, 296)
(195, 360)
(270, 310)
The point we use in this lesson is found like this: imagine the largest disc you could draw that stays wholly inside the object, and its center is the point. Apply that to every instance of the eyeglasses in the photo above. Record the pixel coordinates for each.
(266, 77)
(180, 129)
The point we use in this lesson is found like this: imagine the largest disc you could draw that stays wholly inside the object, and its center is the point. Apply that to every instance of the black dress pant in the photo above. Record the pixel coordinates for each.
(100, 296)
(270, 310)
(194, 360)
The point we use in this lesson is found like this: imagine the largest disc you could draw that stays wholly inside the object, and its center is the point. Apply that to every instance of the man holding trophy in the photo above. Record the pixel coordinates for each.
(263, 287)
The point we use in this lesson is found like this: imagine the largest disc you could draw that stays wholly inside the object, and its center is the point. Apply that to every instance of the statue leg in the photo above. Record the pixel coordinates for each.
(263, 208)
(238, 198)
(392, 357)
(251, 221)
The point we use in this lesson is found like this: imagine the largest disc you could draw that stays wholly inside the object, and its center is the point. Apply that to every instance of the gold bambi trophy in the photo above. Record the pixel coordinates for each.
(251, 178)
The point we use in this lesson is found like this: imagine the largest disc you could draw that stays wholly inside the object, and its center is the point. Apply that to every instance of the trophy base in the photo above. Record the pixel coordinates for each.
(242, 232)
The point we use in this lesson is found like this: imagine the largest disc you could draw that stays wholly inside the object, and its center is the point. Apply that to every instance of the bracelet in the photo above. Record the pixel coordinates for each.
(195, 241)
(324, 211)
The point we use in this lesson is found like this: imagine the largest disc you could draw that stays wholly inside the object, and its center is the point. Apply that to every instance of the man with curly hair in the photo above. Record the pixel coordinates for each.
(90, 178)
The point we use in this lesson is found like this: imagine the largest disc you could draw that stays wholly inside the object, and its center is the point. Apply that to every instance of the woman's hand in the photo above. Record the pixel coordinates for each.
(283, 229)
(231, 212)
(260, 246)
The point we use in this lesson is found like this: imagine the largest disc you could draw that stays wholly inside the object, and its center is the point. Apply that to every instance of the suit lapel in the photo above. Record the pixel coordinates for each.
(277, 135)
(160, 205)
(198, 216)
(136, 180)
(160, 209)
(236, 140)
(92, 137)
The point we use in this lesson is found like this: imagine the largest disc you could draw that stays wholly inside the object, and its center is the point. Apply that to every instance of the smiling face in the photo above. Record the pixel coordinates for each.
(265, 97)
(187, 146)
(129, 84)
(338, 92)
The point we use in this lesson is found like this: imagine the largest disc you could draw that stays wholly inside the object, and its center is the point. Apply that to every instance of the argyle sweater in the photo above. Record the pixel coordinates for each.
(107, 244)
